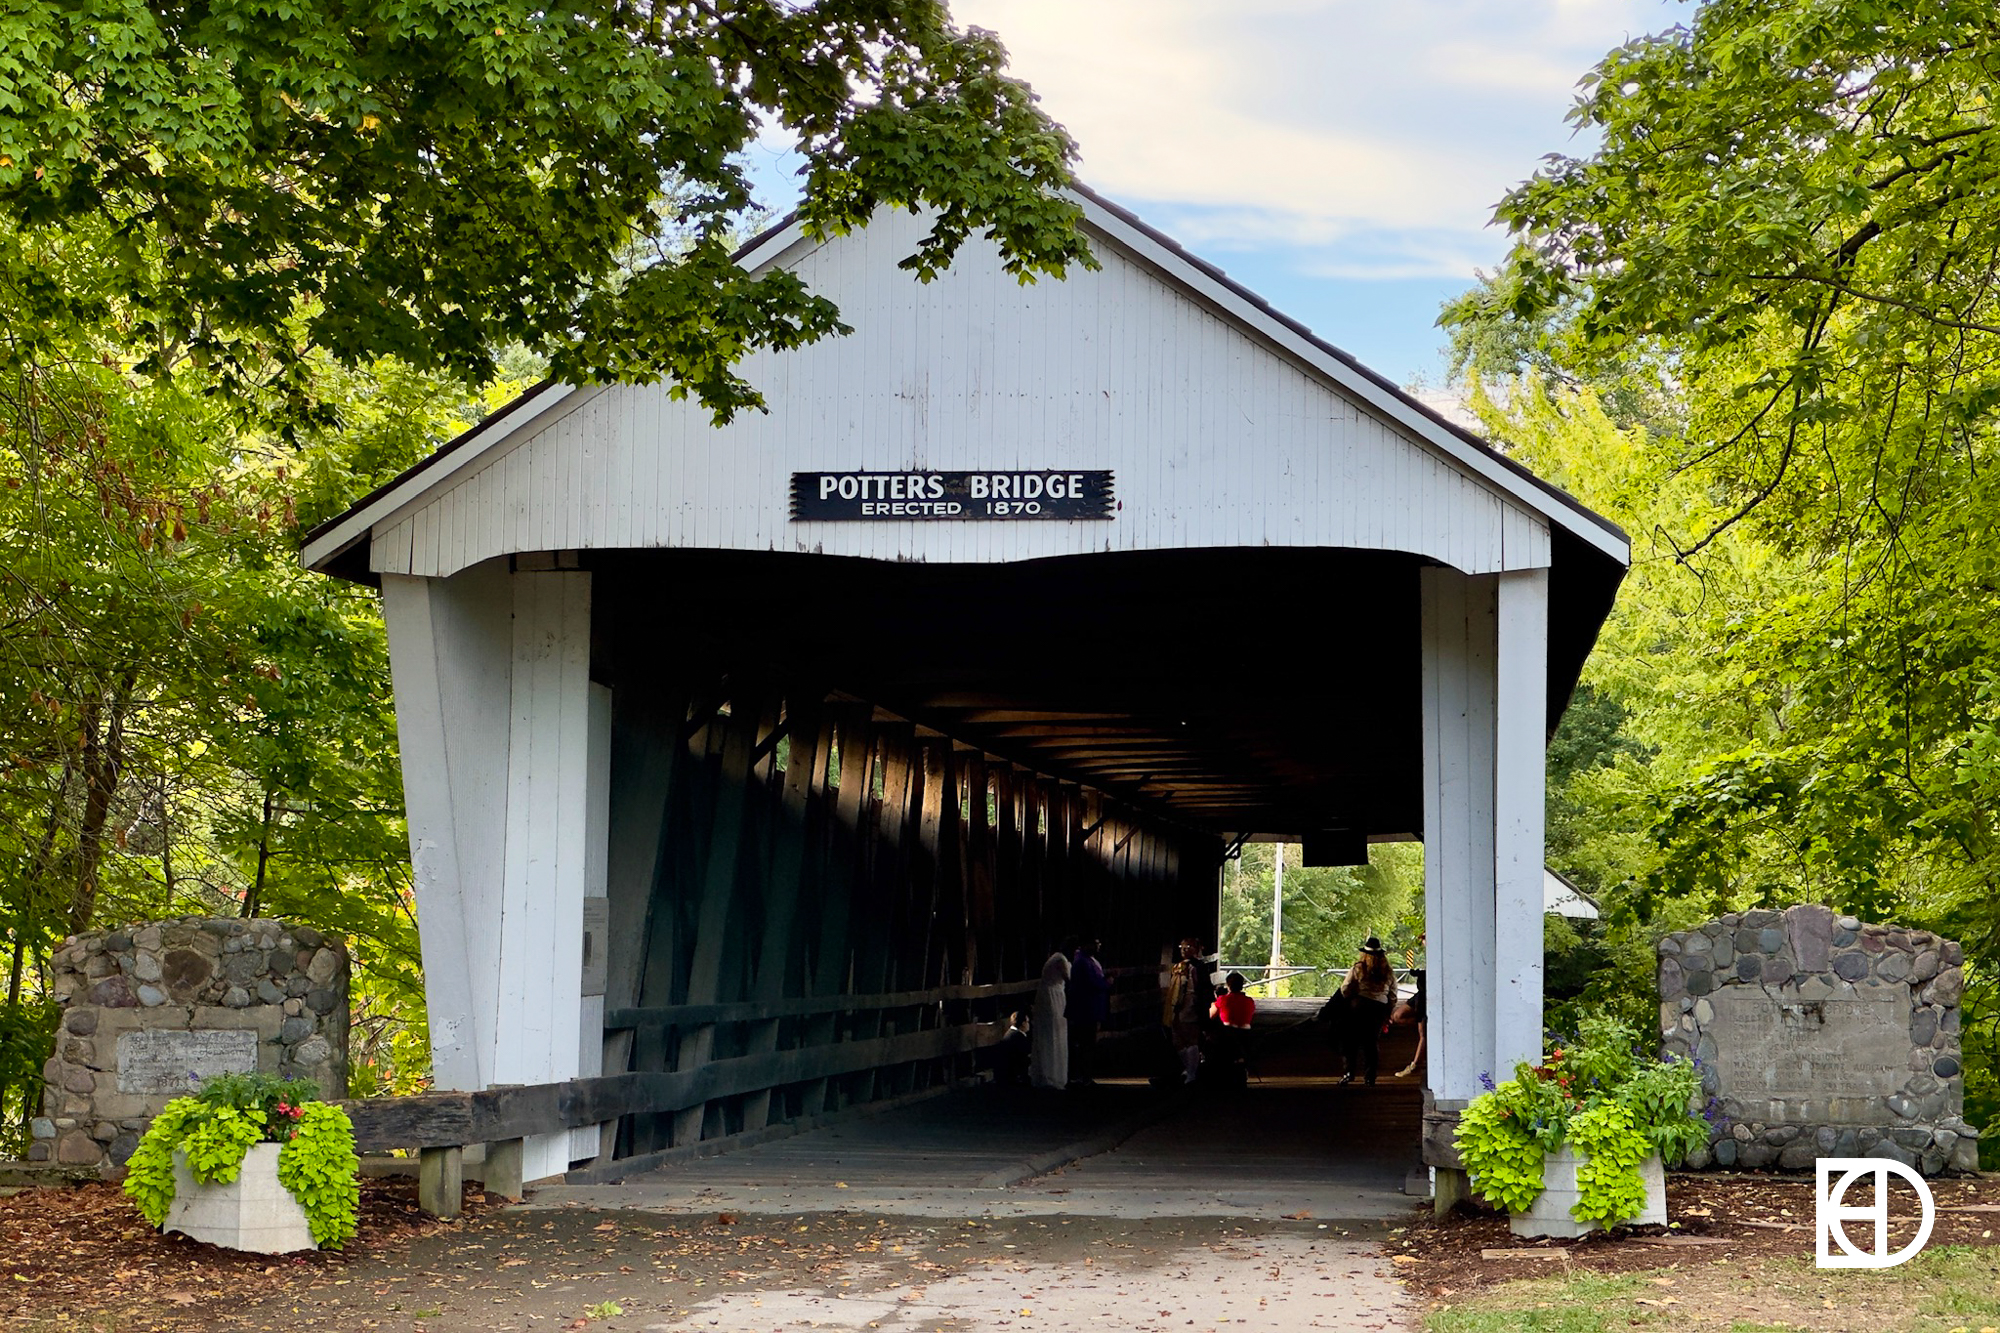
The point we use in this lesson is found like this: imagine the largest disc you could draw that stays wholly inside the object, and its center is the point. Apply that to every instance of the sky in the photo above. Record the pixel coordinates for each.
(1339, 157)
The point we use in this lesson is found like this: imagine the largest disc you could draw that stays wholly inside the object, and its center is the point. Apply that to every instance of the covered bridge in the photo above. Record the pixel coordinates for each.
(762, 764)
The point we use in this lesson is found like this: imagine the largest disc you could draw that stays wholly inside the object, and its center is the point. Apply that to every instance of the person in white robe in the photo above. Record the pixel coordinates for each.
(1048, 1066)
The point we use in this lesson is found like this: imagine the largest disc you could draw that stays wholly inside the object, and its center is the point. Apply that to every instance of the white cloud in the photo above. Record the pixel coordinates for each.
(1378, 135)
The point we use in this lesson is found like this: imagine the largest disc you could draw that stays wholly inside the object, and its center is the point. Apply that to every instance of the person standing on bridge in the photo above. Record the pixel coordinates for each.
(1189, 992)
(1089, 1000)
(1369, 986)
(1049, 1067)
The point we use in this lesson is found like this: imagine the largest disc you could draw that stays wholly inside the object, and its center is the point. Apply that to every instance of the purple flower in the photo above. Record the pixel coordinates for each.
(1486, 1082)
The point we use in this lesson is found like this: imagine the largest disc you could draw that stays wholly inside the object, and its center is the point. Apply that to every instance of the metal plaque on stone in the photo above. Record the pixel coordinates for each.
(173, 1060)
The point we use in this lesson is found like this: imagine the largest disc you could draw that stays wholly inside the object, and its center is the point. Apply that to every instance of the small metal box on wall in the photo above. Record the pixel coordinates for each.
(596, 944)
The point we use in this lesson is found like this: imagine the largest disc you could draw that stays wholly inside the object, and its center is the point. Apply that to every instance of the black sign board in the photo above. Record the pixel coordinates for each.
(877, 496)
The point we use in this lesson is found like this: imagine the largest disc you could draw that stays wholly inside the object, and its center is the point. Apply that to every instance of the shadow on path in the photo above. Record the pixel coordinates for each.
(1291, 1142)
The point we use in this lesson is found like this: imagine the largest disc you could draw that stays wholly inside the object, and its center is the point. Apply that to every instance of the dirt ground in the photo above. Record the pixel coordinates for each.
(83, 1259)
(1737, 1218)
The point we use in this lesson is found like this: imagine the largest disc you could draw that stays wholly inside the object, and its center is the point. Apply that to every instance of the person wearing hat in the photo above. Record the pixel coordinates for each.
(1184, 1003)
(1369, 987)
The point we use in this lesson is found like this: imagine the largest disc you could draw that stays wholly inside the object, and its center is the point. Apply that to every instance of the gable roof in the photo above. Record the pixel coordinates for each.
(324, 545)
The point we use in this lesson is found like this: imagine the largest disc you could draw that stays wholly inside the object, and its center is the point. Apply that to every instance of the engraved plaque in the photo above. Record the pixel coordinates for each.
(162, 1059)
(1828, 1061)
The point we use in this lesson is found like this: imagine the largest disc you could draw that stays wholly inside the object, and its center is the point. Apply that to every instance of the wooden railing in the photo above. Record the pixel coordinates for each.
(439, 1126)
(758, 1011)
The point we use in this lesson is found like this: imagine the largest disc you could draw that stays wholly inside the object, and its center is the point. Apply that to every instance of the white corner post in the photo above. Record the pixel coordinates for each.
(1485, 689)
(495, 718)
(451, 662)
(1520, 811)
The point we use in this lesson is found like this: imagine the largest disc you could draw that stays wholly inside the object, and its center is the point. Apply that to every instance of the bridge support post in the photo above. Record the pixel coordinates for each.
(441, 1181)
(503, 1168)
(494, 718)
(1485, 687)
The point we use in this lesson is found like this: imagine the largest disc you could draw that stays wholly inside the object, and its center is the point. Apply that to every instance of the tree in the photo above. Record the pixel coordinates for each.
(189, 721)
(434, 180)
(1328, 910)
(1798, 207)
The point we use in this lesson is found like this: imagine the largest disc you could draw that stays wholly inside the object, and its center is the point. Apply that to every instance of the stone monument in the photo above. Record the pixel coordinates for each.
(1820, 1036)
(151, 1010)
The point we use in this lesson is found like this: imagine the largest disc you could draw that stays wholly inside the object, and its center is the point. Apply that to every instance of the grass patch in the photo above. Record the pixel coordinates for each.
(1951, 1289)
(1581, 1303)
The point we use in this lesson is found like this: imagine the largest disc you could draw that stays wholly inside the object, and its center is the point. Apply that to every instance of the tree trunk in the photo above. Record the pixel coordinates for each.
(39, 867)
(167, 844)
(103, 764)
(255, 898)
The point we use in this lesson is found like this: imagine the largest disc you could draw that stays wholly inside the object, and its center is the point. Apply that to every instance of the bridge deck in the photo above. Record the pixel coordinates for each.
(1292, 1142)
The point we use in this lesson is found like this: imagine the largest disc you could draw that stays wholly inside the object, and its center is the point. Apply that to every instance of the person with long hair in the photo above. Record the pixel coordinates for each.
(1369, 987)
(1048, 1060)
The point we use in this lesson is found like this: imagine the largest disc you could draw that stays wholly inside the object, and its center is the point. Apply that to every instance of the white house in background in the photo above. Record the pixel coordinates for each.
(1560, 897)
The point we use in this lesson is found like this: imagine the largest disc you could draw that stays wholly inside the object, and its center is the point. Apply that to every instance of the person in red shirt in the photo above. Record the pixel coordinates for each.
(1233, 1008)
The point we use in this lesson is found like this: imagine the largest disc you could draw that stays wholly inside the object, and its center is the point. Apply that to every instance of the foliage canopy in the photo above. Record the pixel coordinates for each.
(434, 180)
(1760, 325)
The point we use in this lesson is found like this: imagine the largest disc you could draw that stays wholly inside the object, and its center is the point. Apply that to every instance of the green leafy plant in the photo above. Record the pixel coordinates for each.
(318, 1165)
(27, 1033)
(1506, 1163)
(214, 1139)
(280, 1101)
(1611, 1146)
(1611, 1106)
(216, 1127)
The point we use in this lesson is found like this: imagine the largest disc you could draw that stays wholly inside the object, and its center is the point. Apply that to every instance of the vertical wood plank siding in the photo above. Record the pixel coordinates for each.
(792, 847)
(1217, 438)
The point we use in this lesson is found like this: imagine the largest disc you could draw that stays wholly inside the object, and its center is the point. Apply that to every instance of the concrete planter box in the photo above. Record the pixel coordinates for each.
(1550, 1215)
(252, 1212)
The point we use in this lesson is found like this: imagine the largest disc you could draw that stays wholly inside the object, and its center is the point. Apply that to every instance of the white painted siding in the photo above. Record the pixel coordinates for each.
(547, 858)
(1217, 438)
(506, 750)
(1521, 684)
(1459, 640)
(449, 646)
(1485, 689)
(595, 1140)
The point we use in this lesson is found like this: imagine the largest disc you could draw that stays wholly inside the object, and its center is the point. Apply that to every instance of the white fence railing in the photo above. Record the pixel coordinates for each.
(1324, 980)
